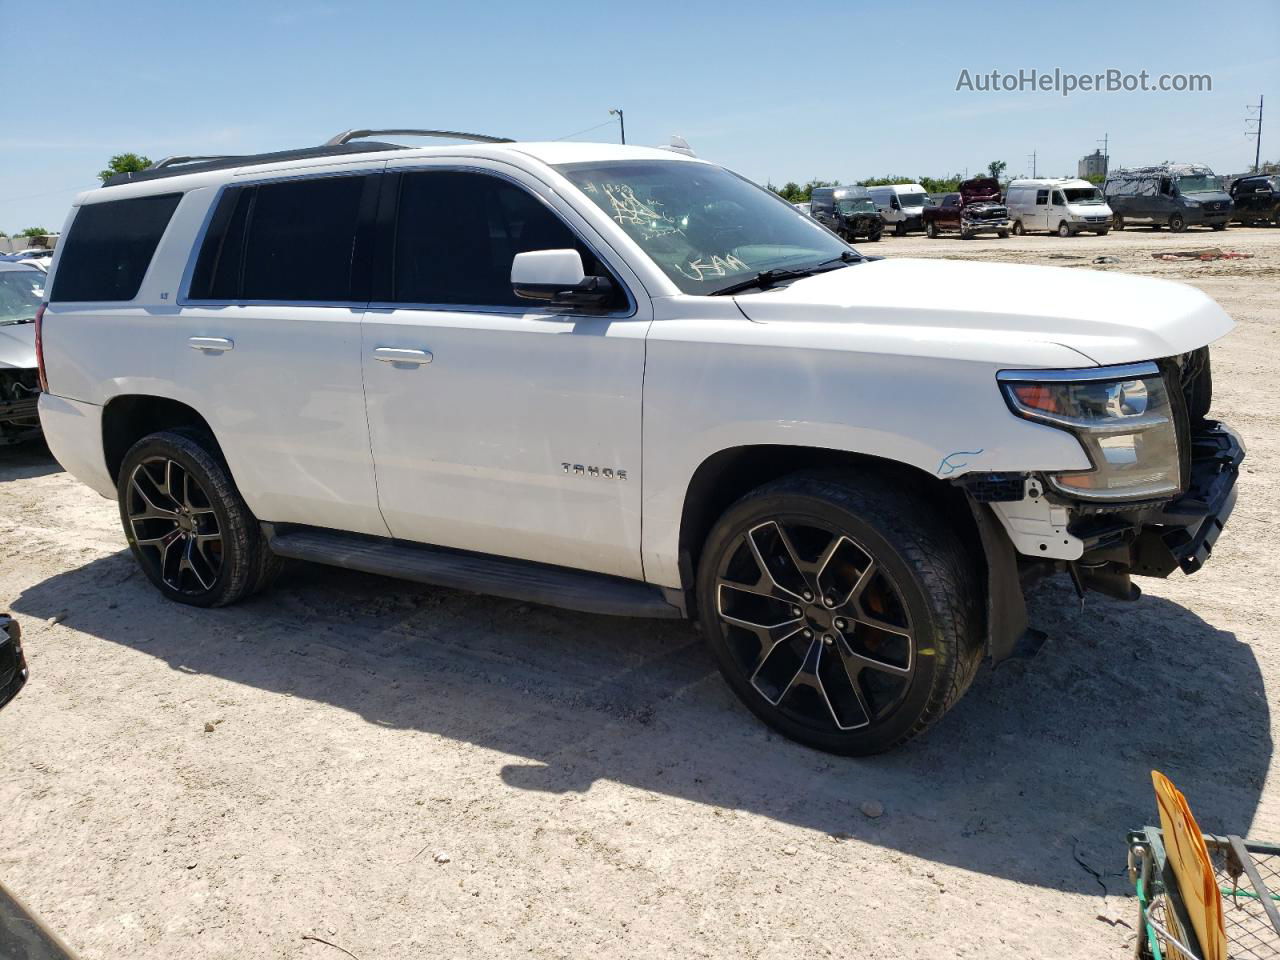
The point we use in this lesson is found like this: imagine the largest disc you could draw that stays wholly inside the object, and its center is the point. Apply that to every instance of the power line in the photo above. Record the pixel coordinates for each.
(567, 136)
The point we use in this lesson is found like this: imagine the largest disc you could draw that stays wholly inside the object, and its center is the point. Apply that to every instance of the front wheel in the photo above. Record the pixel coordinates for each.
(1018, 229)
(187, 525)
(874, 237)
(1117, 222)
(900, 229)
(1101, 233)
(1219, 226)
(1063, 229)
(1177, 223)
(1002, 234)
(844, 613)
(931, 230)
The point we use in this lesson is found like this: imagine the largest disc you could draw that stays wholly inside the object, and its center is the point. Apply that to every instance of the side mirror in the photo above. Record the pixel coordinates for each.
(558, 278)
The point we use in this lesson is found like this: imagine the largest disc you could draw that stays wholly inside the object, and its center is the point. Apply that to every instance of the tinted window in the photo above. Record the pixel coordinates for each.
(300, 240)
(107, 252)
(218, 271)
(457, 233)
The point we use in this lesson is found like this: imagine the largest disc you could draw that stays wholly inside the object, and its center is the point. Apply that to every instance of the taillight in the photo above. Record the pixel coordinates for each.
(44, 381)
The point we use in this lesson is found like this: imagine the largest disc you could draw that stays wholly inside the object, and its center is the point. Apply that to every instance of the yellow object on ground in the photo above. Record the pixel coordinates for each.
(1189, 857)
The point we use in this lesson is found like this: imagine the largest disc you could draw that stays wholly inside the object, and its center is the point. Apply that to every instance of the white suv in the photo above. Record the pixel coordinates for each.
(626, 381)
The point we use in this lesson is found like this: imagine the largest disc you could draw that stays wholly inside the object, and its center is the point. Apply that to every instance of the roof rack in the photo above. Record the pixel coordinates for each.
(350, 135)
(335, 146)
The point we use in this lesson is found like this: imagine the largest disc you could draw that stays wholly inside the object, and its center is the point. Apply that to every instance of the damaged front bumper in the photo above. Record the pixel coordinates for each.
(1026, 535)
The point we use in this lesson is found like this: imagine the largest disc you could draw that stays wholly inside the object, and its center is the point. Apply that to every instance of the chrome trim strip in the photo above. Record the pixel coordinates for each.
(1125, 371)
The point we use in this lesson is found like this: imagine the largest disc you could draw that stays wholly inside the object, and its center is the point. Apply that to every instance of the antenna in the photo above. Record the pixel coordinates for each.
(1032, 158)
(1256, 134)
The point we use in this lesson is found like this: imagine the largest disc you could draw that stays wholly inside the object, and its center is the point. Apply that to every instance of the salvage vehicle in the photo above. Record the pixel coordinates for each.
(13, 664)
(975, 209)
(1256, 199)
(624, 381)
(1176, 195)
(848, 212)
(22, 289)
(1065, 206)
(901, 206)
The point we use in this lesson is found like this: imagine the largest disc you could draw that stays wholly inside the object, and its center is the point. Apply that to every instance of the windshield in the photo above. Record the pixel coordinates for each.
(1083, 195)
(913, 200)
(860, 205)
(704, 226)
(1200, 183)
(21, 291)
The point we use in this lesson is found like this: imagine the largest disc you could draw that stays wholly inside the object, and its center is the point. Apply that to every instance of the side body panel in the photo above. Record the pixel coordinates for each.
(717, 382)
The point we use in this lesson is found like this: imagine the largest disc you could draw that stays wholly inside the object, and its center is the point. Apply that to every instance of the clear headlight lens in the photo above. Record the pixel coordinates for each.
(1122, 416)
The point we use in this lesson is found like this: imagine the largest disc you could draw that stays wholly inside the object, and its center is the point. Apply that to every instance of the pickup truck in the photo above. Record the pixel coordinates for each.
(629, 382)
(975, 209)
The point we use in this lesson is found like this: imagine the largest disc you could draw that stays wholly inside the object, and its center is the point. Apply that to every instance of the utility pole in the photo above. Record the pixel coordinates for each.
(1032, 158)
(622, 124)
(1106, 153)
(1256, 134)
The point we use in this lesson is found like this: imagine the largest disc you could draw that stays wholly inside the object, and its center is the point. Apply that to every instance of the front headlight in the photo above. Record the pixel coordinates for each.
(1122, 416)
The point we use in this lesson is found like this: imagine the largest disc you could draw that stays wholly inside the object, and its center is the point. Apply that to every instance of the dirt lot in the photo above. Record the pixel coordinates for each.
(595, 787)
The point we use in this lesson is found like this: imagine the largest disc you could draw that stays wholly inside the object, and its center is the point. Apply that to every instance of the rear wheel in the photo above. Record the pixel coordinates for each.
(842, 612)
(187, 525)
(1176, 223)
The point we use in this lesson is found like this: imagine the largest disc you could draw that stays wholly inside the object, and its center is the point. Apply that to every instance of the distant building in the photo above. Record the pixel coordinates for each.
(1094, 165)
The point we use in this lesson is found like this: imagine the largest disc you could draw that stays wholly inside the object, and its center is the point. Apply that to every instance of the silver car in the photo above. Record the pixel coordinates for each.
(21, 292)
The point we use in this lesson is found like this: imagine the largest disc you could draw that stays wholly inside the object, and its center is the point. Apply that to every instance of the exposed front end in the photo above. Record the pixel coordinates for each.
(984, 218)
(19, 393)
(1160, 488)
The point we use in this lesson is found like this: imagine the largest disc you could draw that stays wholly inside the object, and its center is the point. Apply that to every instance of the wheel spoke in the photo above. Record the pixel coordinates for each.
(768, 574)
(162, 493)
(188, 563)
(151, 511)
(855, 660)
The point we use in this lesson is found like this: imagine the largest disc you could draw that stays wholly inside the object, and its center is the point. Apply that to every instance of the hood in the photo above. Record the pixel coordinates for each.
(18, 345)
(999, 312)
(1217, 196)
(980, 188)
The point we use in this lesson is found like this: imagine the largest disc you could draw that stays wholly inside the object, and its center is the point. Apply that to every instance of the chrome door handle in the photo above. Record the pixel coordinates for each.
(211, 344)
(401, 355)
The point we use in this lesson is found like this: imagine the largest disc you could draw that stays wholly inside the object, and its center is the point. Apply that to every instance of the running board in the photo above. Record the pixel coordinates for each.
(476, 572)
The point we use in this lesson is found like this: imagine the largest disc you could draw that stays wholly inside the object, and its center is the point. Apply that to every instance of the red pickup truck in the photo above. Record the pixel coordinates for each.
(975, 209)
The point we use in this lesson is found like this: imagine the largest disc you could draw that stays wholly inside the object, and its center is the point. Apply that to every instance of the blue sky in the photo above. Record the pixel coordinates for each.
(833, 90)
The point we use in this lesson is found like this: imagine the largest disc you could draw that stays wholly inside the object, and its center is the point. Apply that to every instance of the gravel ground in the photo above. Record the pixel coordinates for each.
(403, 771)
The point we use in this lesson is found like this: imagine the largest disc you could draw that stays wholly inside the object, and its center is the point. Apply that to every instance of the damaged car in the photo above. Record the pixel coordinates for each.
(21, 291)
(976, 208)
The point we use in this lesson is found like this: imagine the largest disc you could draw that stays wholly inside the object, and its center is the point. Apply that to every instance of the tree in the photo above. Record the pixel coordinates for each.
(996, 168)
(33, 232)
(1097, 179)
(123, 163)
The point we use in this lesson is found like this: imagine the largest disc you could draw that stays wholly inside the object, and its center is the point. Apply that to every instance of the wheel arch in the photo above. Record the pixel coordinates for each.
(128, 418)
(729, 474)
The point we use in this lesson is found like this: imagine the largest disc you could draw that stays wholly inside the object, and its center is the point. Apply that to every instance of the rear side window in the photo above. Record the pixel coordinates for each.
(292, 241)
(110, 245)
(457, 233)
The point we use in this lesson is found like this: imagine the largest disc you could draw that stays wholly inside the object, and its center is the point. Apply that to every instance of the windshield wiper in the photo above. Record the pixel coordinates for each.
(767, 278)
(11, 323)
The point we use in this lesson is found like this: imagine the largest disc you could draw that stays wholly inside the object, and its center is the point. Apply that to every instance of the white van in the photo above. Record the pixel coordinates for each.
(1065, 206)
(901, 205)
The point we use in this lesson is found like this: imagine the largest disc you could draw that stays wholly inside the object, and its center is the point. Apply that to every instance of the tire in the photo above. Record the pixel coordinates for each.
(1002, 234)
(1176, 223)
(966, 235)
(1101, 233)
(1018, 229)
(1219, 226)
(176, 494)
(919, 648)
(900, 228)
(931, 230)
(1117, 222)
(874, 237)
(1063, 229)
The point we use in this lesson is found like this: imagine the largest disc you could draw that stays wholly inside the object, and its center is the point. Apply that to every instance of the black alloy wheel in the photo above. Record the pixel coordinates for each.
(842, 614)
(174, 526)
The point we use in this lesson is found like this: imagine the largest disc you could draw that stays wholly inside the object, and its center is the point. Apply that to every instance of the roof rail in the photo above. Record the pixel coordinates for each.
(175, 161)
(350, 135)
